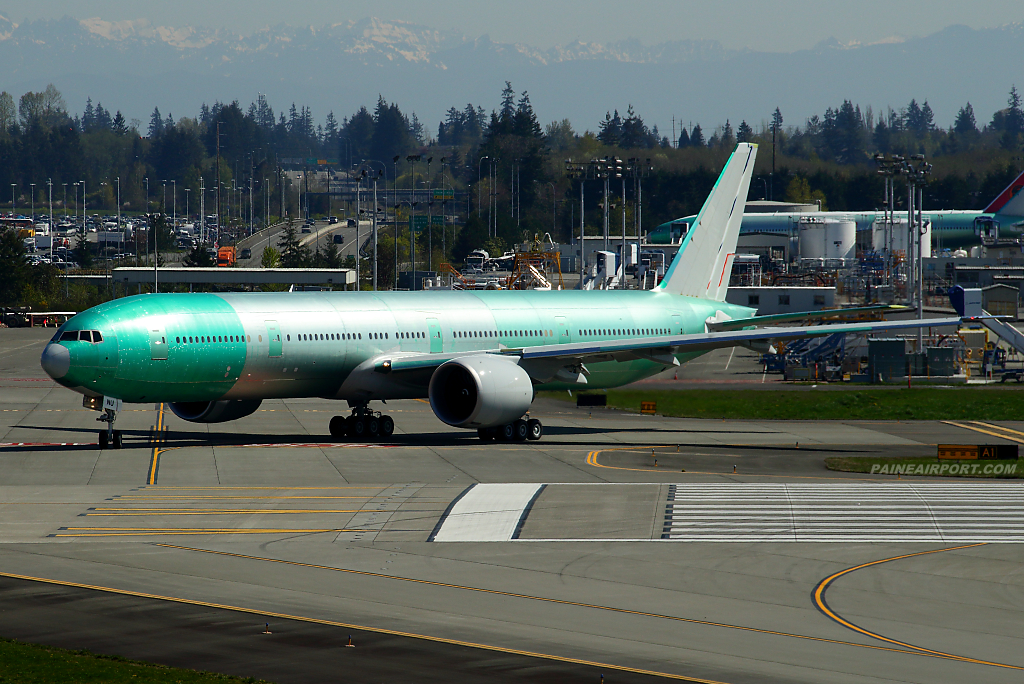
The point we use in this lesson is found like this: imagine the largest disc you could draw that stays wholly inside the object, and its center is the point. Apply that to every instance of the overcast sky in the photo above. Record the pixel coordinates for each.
(780, 26)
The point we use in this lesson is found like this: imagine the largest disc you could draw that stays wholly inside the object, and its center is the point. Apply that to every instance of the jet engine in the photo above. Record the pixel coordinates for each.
(480, 391)
(214, 411)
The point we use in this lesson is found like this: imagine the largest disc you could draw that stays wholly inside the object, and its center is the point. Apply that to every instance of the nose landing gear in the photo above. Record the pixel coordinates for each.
(109, 438)
(363, 425)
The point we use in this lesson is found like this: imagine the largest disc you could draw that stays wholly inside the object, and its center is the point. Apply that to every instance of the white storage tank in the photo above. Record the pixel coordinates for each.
(841, 240)
(900, 236)
(812, 238)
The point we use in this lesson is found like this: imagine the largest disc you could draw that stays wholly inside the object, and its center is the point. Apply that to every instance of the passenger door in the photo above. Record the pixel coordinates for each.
(157, 344)
(274, 346)
(436, 343)
(563, 330)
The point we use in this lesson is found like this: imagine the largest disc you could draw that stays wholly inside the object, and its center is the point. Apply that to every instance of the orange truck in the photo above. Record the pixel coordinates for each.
(226, 256)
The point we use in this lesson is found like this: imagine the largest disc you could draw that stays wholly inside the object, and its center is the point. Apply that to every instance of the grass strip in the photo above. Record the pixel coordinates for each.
(966, 403)
(36, 664)
(930, 467)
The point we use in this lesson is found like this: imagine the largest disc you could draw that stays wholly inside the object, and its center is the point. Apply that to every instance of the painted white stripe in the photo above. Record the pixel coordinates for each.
(904, 512)
(488, 512)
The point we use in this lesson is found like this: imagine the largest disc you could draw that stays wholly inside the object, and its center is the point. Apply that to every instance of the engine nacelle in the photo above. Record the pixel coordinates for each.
(480, 391)
(214, 411)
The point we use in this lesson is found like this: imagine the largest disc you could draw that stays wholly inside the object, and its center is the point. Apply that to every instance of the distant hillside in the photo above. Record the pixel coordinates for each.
(134, 66)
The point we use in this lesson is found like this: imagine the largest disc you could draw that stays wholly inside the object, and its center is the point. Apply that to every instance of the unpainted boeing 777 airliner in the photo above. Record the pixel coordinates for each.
(479, 357)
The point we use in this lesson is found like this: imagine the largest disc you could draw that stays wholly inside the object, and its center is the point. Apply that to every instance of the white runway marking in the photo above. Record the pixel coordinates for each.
(957, 512)
(487, 512)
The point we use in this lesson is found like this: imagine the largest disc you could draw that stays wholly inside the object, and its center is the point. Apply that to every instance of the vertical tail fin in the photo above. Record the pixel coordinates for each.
(1010, 201)
(702, 265)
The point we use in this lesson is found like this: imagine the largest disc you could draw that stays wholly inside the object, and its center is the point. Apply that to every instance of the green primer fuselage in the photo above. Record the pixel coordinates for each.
(323, 344)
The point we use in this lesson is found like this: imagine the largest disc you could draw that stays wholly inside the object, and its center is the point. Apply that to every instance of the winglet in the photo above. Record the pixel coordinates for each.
(704, 261)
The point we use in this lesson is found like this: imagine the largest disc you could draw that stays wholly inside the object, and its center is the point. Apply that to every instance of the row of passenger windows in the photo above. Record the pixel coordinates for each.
(304, 337)
(208, 339)
(81, 335)
(94, 335)
(502, 333)
(624, 331)
(309, 337)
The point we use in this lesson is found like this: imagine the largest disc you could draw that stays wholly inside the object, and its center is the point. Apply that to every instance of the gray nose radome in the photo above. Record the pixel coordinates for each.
(56, 361)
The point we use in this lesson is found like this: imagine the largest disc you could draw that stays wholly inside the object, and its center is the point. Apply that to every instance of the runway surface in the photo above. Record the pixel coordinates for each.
(605, 555)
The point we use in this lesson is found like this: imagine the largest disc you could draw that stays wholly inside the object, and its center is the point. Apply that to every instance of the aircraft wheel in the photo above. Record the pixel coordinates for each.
(534, 429)
(103, 439)
(373, 427)
(118, 441)
(358, 429)
(387, 426)
(506, 432)
(520, 430)
(337, 426)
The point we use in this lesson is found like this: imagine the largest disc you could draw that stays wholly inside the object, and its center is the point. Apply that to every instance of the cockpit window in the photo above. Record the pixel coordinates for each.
(86, 335)
(96, 337)
(69, 336)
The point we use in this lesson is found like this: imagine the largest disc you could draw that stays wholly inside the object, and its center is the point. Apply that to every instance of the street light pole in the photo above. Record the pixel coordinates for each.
(49, 184)
(149, 219)
(430, 220)
(412, 159)
(478, 200)
(379, 173)
(118, 180)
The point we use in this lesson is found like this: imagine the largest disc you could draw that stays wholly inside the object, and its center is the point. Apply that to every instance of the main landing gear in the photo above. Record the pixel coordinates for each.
(109, 438)
(516, 431)
(363, 425)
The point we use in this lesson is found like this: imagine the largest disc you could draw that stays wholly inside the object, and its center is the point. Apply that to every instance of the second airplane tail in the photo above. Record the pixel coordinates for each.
(702, 265)
(1010, 201)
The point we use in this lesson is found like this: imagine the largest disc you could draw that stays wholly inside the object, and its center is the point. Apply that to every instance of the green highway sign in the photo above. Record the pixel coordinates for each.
(444, 193)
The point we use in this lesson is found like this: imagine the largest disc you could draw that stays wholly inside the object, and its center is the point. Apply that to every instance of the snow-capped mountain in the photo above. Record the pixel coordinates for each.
(135, 65)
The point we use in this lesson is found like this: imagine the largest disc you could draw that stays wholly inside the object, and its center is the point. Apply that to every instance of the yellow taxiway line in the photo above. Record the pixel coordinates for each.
(202, 488)
(115, 512)
(374, 630)
(157, 497)
(822, 605)
(563, 602)
(157, 434)
(151, 531)
(975, 428)
(592, 461)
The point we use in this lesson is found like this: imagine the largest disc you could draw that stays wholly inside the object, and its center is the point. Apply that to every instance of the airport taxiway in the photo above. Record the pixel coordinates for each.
(180, 547)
